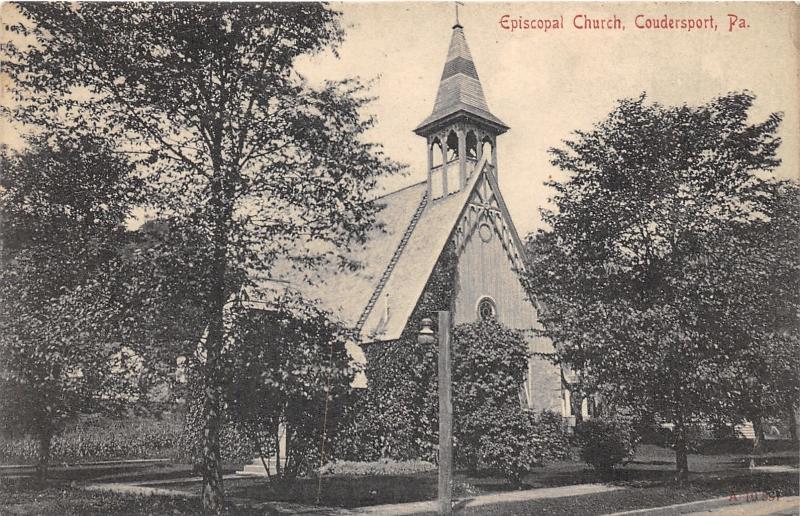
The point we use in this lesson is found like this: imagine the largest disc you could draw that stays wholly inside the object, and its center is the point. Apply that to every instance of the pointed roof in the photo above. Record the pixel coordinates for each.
(396, 262)
(460, 91)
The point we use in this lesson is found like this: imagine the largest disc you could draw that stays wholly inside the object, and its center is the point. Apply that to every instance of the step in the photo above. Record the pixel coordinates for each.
(746, 430)
(257, 468)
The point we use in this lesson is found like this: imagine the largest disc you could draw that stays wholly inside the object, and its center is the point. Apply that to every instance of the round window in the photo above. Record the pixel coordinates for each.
(485, 231)
(487, 309)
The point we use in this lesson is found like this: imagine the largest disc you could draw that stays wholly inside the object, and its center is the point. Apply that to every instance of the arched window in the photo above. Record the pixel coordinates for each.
(487, 309)
(472, 145)
(486, 148)
(452, 146)
(436, 150)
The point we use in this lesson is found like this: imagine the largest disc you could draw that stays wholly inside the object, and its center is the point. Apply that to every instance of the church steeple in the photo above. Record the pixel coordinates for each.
(461, 124)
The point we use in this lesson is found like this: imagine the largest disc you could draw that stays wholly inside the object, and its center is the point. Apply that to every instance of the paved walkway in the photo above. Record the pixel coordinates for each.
(783, 507)
(134, 489)
(723, 506)
(776, 469)
(5, 467)
(512, 496)
(144, 487)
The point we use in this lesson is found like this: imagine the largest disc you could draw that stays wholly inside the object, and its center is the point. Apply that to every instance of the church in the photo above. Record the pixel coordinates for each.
(458, 207)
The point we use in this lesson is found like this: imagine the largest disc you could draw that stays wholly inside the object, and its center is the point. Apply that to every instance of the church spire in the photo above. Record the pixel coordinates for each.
(461, 129)
(460, 90)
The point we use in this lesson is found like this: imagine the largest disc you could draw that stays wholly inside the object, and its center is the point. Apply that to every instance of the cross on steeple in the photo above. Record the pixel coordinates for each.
(457, 22)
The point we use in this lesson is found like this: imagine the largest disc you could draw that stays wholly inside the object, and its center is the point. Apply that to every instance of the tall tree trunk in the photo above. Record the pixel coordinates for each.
(43, 460)
(576, 403)
(794, 421)
(213, 494)
(681, 451)
(758, 435)
(221, 206)
(278, 467)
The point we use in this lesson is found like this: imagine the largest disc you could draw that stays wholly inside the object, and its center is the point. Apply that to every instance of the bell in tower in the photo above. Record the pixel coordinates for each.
(461, 133)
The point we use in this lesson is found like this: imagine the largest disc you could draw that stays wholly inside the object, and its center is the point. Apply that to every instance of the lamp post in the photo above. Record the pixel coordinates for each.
(445, 407)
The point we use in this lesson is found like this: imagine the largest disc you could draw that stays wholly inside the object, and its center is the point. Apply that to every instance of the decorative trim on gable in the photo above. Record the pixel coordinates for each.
(485, 205)
(390, 267)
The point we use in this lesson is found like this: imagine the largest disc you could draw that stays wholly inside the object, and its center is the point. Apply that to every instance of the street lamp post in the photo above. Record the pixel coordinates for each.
(445, 408)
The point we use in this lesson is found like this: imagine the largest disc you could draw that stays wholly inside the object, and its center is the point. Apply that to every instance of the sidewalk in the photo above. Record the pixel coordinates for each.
(724, 506)
(512, 496)
(13, 467)
(146, 488)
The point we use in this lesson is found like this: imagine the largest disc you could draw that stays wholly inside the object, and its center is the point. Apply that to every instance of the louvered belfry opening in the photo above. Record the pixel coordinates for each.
(461, 131)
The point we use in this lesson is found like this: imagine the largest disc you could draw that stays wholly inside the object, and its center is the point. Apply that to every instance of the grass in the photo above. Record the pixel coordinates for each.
(117, 473)
(649, 478)
(66, 500)
(648, 496)
(648, 482)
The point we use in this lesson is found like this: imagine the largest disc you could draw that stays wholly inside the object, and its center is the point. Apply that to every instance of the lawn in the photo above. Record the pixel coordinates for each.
(649, 478)
(646, 496)
(22, 499)
(648, 482)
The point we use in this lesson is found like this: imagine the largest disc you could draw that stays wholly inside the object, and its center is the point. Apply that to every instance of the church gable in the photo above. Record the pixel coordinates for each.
(486, 211)
(489, 260)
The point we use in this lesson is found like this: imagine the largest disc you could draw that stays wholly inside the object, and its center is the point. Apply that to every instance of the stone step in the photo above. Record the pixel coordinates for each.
(256, 468)
(746, 430)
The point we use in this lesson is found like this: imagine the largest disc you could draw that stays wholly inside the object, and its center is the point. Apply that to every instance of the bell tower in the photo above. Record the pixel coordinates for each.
(461, 131)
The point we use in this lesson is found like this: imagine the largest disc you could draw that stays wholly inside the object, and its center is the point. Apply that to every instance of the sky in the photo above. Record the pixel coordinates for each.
(546, 85)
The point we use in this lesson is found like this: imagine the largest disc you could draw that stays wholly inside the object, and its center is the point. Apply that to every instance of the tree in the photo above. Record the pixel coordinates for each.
(289, 366)
(634, 273)
(62, 204)
(231, 139)
(165, 269)
(769, 257)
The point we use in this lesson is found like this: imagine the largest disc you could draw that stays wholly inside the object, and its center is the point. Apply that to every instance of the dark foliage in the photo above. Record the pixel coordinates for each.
(489, 364)
(63, 202)
(605, 443)
(515, 442)
(229, 138)
(644, 272)
(397, 416)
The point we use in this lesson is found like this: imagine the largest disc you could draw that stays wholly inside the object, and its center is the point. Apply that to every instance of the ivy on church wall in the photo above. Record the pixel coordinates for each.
(397, 415)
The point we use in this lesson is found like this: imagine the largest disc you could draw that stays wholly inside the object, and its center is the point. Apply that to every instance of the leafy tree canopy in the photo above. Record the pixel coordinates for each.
(62, 203)
(227, 135)
(635, 272)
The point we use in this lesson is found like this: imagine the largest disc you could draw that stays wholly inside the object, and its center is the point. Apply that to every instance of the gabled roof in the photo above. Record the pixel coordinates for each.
(397, 261)
(347, 293)
(460, 90)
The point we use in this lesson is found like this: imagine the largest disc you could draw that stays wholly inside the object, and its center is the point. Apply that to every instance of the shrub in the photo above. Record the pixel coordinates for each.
(507, 445)
(605, 443)
(549, 437)
(101, 438)
(381, 467)
(489, 365)
(514, 441)
(233, 446)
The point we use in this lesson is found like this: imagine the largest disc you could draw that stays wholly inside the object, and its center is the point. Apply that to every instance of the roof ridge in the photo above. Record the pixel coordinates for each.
(390, 266)
(387, 194)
